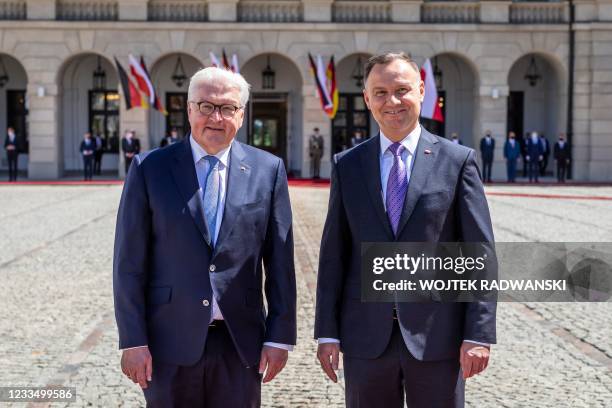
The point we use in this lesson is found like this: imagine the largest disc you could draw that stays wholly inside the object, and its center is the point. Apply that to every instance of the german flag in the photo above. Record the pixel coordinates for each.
(333, 88)
(130, 91)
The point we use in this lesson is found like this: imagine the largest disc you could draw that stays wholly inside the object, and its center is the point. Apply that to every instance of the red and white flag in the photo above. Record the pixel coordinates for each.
(430, 108)
(142, 79)
(235, 66)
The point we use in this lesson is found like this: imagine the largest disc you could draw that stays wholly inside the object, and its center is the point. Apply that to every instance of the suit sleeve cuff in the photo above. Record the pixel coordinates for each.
(323, 340)
(478, 342)
(287, 347)
(130, 348)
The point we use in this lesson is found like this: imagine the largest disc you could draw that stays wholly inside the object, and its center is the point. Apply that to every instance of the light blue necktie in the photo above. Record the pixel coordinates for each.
(211, 196)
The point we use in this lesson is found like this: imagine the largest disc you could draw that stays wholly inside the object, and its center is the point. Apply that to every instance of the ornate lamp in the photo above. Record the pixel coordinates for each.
(178, 76)
(268, 77)
(99, 77)
(357, 73)
(533, 74)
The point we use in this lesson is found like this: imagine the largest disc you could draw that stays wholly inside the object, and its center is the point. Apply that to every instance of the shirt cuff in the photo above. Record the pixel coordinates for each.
(479, 342)
(130, 348)
(323, 340)
(287, 347)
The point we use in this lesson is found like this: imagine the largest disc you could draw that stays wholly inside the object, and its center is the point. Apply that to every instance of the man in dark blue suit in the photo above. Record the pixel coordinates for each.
(198, 224)
(535, 154)
(487, 149)
(403, 185)
(512, 151)
(12, 153)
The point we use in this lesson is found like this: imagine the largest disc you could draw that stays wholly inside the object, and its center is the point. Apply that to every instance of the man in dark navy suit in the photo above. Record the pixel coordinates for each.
(88, 149)
(130, 145)
(403, 185)
(562, 157)
(535, 154)
(12, 152)
(512, 151)
(200, 222)
(487, 149)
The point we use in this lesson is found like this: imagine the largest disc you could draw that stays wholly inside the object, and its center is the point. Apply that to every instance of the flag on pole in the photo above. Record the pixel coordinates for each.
(226, 63)
(333, 88)
(130, 92)
(318, 73)
(142, 79)
(235, 66)
(157, 102)
(214, 61)
(430, 108)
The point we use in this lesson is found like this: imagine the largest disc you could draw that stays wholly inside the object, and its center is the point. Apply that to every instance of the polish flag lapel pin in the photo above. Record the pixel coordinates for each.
(427, 151)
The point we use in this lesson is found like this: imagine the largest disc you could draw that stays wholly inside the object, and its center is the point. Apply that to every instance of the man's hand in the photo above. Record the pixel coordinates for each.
(273, 357)
(137, 365)
(328, 355)
(473, 358)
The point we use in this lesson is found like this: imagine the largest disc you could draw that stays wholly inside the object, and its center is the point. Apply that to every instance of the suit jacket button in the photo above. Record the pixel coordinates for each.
(212, 268)
(205, 302)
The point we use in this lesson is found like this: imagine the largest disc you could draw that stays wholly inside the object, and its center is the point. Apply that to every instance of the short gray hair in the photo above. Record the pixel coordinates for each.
(216, 75)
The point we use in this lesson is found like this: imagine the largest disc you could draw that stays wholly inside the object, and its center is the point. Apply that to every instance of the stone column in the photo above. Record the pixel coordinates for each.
(581, 140)
(494, 11)
(223, 10)
(492, 100)
(406, 11)
(40, 9)
(601, 101)
(315, 117)
(134, 10)
(317, 10)
(46, 147)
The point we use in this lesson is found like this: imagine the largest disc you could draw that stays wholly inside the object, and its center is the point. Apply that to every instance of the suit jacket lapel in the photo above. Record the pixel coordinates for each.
(185, 177)
(370, 160)
(239, 174)
(421, 169)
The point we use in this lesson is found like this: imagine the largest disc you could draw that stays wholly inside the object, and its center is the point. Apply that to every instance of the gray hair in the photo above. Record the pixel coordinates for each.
(219, 75)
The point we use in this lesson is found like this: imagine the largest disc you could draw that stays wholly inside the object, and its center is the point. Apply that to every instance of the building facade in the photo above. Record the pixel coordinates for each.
(500, 65)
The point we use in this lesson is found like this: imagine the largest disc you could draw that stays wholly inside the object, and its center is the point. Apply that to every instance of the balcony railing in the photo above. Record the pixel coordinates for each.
(101, 10)
(450, 12)
(12, 10)
(270, 11)
(538, 12)
(195, 10)
(361, 12)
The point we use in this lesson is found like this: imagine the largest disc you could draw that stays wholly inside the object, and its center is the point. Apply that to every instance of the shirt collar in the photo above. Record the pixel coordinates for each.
(409, 142)
(199, 152)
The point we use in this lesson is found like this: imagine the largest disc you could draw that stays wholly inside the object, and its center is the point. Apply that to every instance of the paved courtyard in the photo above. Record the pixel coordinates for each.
(57, 324)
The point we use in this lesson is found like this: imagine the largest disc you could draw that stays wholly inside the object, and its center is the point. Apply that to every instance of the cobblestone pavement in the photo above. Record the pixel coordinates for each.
(56, 309)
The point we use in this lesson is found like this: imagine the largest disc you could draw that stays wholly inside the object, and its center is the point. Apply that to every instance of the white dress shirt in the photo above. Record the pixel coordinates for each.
(410, 143)
(202, 167)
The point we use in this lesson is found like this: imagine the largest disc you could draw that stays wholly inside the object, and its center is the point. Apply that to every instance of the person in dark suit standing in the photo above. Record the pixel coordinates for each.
(487, 149)
(199, 224)
(562, 157)
(512, 151)
(170, 139)
(98, 155)
(316, 147)
(455, 138)
(412, 186)
(546, 150)
(535, 154)
(131, 147)
(87, 149)
(12, 152)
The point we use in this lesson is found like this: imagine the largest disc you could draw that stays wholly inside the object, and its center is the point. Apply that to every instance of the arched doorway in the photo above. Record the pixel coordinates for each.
(353, 122)
(89, 103)
(274, 112)
(170, 75)
(537, 99)
(457, 83)
(13, 108)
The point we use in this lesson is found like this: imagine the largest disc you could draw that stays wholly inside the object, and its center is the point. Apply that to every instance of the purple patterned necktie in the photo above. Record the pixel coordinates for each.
(397, 184)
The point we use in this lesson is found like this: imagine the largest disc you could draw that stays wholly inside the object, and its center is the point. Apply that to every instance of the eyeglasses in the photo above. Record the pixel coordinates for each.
(206, 108)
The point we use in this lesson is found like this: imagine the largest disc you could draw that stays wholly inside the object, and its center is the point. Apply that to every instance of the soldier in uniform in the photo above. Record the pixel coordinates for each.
(315, 150)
